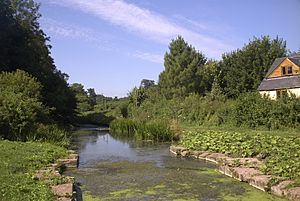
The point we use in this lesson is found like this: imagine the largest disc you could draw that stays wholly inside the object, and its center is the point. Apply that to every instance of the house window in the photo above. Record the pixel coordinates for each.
(283, 70)
(290, 70)
(281, 93)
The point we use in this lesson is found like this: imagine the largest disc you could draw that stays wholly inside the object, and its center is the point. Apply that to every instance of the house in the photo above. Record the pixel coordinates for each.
(283, 78)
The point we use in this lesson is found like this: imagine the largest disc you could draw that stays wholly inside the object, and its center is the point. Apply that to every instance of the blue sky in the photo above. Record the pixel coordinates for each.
(111, 45)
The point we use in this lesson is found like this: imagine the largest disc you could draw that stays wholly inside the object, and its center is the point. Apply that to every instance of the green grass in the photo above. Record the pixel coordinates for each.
(18, 162)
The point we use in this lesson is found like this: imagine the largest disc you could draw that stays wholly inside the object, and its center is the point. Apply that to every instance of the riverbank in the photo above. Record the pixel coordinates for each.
(19, 162)
(33, 171)
(277, 158)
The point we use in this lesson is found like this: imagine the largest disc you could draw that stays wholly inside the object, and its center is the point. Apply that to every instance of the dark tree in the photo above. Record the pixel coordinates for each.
(243, 70)
(25, 46)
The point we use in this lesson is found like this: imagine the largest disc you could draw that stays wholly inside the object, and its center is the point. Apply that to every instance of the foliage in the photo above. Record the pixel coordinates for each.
(253, 110)
(24, 46)
(182, 64)
(137, 96)
(83, 101)
(18, 162)
(281, 155)
(208, 74)
(249, 110)
(52, 133)
(146, 84)
(20, 105)
(243, 69)
(93, 117)
(158, 131)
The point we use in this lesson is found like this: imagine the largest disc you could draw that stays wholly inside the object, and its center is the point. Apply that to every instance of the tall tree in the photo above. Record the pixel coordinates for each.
(243, 70)
(181, 65)
(24, 46)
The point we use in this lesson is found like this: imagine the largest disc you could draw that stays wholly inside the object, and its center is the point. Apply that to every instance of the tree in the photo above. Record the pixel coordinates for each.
(24, 46)
(92, 97)
(21, 107)
(182, 63)
(137, 96)
(243, 70)
(82, 99)
(208, 73)
(146, 84)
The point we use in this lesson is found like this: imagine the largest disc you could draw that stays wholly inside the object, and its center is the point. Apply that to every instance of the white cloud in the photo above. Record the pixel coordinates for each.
(152, 57)
(58, 29)
(146, 23)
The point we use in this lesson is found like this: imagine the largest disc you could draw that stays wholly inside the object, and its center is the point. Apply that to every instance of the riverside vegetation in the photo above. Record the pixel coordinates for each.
(38, 106)
(217, 106)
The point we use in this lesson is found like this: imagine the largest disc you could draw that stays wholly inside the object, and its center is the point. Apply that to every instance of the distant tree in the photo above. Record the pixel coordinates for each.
(92, 96)
(82, 99)
(21, 107)
(243, 70)
(182, 63)
(146, 84)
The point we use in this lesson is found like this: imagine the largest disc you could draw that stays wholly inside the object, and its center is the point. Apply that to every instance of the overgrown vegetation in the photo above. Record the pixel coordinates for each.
(281, 154)
(23, 116)
(158, 131)
(18, 163)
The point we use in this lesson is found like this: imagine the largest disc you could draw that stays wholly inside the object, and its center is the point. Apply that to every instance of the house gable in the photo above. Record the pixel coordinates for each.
(284, 67)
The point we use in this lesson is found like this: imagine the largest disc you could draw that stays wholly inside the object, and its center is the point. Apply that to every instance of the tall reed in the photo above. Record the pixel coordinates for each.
(154, 130)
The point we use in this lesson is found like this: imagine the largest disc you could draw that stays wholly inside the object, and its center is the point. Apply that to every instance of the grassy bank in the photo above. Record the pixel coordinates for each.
(18, 162)
(281, 154)
(151, 130)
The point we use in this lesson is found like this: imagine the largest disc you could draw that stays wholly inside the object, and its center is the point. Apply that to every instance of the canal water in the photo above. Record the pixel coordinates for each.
(114, 168)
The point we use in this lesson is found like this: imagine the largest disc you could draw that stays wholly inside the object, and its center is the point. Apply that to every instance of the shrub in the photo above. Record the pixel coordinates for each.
(20, 105)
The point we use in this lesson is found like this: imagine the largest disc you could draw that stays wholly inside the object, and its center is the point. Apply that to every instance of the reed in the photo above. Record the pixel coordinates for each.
(154, 130)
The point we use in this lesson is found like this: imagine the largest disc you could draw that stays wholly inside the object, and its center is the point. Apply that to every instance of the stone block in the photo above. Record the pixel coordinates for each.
(244, 173)
(226, 170)
(280, 188)
(293, 193)
(261, 182)
(63, 190)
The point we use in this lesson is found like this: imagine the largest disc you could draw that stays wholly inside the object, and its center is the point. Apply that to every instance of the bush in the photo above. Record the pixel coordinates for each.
(53, 134)
(253, 110)
(20, 105)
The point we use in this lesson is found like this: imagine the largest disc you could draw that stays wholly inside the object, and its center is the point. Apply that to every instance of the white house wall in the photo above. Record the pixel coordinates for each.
(295, 91)
(272, 94)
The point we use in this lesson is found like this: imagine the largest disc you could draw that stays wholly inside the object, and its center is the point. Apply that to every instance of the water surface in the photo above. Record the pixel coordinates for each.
(111, 168)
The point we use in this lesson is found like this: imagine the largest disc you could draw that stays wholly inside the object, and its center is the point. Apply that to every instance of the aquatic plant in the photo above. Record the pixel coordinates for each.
(141, 130)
